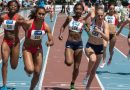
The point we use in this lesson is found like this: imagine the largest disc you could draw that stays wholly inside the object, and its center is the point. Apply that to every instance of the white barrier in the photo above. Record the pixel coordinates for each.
(58, 8)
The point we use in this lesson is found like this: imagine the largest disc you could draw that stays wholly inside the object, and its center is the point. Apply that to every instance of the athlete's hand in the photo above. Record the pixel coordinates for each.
(97, 30)
(49, 43)
(60, 37)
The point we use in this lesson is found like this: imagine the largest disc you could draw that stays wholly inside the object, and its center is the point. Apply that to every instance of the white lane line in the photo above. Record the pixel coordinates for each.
(120, 52)
(123, 35)
(45, 63)
(66, 86)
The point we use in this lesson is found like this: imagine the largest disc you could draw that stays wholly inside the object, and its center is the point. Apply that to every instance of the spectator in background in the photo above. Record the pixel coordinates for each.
(63, 6)
(4, 4)
(41, 3)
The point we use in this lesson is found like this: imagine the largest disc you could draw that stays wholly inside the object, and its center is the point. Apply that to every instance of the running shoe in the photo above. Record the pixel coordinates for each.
(102, 65)
(110, 59)
(85, 80)
(4, 88)
(72, 86)
(109, 62)
(86, 88)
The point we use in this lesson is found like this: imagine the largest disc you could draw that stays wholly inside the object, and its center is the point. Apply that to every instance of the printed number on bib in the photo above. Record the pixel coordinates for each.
(9, 25)
(95, 33)
(75, 26)
(109, 21)
(36, 35)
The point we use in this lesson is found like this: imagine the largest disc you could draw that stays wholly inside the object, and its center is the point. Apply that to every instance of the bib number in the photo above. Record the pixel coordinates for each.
(9, 25)
(95, 33)
(36, 35)
(75, 26)
(109, 21)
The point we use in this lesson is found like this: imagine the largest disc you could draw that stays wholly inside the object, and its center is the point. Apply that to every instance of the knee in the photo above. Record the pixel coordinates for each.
(29, 70)
(68, 63)
(93, 60)
(5, 63)
(13, 67)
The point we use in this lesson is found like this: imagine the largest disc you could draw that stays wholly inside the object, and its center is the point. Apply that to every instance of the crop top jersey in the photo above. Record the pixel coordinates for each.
(92, 28)
(9, 24)
(111, 19)
(76, 26)
(34, 34)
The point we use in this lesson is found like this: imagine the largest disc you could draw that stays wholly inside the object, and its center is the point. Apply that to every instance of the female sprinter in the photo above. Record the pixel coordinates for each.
(112, 19)
(10, 45)
(35, 28)
(94, 47)
(74, 45)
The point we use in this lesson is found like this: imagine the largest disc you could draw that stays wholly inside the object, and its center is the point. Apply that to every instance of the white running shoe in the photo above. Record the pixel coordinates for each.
(102, 65)
(85, 80)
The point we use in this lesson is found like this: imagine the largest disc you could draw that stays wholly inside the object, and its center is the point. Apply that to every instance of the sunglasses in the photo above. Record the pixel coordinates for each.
(41, 14)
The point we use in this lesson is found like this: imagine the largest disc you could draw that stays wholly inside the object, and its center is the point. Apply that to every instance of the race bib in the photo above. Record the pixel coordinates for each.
(75, 26)
(37, 34)
(110, 19)
(94, 33)
(9, 24)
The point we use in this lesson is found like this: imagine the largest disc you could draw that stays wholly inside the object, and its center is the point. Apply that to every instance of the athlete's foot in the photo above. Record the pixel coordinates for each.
(85, 80)
(109, 62)
(72, 86)
(110, 59)
(87, 88)
(102, 64)
(4, 87)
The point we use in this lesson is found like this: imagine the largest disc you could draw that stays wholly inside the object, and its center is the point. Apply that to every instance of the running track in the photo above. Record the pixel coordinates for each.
(57, 76)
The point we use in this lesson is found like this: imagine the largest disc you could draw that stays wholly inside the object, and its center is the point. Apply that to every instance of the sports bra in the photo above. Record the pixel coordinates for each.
(9, 24)
(75, 26)
(36, 34)
(111, 19)
(92, 28)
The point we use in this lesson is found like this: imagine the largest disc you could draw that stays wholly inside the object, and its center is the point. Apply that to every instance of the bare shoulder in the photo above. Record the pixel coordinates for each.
(46, 26)
(69, 18)
(29, 22)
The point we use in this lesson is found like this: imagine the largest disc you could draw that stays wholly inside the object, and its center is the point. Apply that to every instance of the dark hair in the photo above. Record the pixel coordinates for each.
(34, 11)
(18, 6)
(111, 4)
(97, 5)
(78, 4)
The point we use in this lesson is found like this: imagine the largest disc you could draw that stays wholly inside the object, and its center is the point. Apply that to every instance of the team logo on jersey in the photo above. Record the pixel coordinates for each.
(9, 22)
